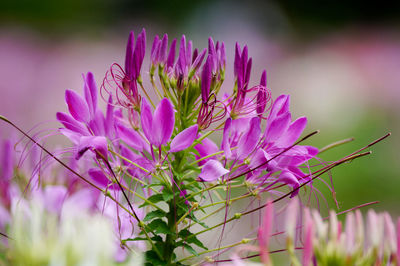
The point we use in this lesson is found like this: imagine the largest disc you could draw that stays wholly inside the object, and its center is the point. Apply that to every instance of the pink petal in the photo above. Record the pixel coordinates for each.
(276, 128)
(71, 135)
(7, 161)
(96, 144)
(398, 238)
(206, 76)
(236, 261)
(291, 218)
(5, 217)
(163, 122)
(146, 118)
(260, 158)
(207, 147)
(70, 123)
(91, 93)
(77, 106)
(212, 170)
(280, 106)
(349, 231)
(250, 139)
(109, 120)
(297, 155)
(139, 160)
(131, 137)
(101, 179)
(225, 138)
(289, 179)
(293, 133)
(184, 139)
(81, 201)
(239, 126)
(54, 197)
(264, 232)
(97, 124)
(129, 54)
(390, 232)
(308, 244)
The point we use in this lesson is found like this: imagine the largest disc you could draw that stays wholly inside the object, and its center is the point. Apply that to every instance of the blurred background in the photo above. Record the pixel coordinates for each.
(340, 61)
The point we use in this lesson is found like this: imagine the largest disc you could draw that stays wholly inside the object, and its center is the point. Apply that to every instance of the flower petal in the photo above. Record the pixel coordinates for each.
(293, 133)
(309, 236)
(184, 139)
(250, 139)
(71, 135)
(276, 128)
(289, 179)
(96, 144)
(163, 122)
(207, 147)
(138, 160)
(101, 179)
(162, 53)
(212, 170)
(90, 89)
(131, 137)
(264, 232)
(70, 123)
(77, 106)
(54, 197)
(260, 159)
(206, 76)
(138, 54)
(279, 107)
(146, 118)
(7, 161)
(129, 54)
(225, 138)
(171, 54)
(109, 121)
(297, 155)
(97, 124)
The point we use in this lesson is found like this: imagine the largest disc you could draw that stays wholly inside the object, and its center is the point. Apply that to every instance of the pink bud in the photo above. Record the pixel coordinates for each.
(398, 239)
(309, 235)
(350, 236)
(291, 218)
(264, 232)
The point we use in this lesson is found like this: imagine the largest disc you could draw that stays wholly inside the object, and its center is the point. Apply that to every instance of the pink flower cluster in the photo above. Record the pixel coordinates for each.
(158, 145)
(326, 241)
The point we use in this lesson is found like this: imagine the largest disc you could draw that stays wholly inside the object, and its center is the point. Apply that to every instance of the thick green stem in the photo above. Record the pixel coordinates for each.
(170, 239)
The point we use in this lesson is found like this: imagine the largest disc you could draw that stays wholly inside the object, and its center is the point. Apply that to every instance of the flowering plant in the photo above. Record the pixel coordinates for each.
(151, 163)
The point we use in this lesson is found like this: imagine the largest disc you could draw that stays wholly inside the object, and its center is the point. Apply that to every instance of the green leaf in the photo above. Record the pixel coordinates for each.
(192, 217)
(167, 195)
(159, 226)
(154, 214)
(189, 237)
(195, 151)
(153, 259)
(190, 249)
(192, 167)
(157, 238)
(154, 199)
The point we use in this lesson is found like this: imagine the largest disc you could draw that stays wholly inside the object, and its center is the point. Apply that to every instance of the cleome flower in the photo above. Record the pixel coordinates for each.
(153, 168)
(133, 144)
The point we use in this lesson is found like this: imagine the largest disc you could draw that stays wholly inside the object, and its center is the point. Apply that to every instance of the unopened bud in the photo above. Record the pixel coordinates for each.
(237, 215)
(245, 240)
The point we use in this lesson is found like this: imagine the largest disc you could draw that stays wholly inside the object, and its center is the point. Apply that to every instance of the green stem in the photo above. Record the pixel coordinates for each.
(169, 246)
